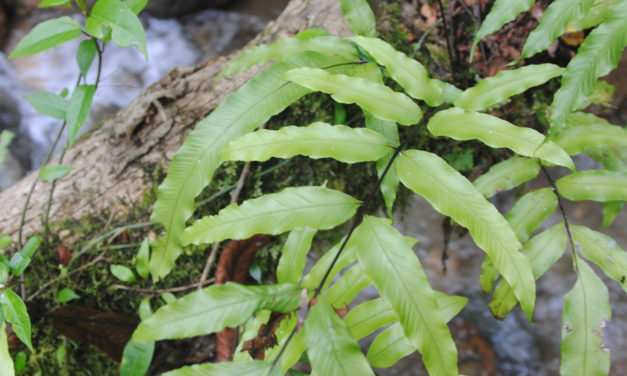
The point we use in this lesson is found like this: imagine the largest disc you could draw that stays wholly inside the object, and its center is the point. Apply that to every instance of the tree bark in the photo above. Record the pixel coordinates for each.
(111, 167)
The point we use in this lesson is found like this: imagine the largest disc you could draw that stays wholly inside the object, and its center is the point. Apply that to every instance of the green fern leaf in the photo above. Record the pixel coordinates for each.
(317, 272)
(597, 13)
(586, 312)
(378, 99)
(543, 250)
(5, 355)
(347, 287)
(603, 251)
(392, 344)
(595, 58)
(503, 11)
(506, 84)
(389, 346)
(595, 185)
(450, 92)
(452, 195)
(369, 316)
(530, 211)
(315, 207)
(497, 133)
(610, 211)
(395, 271)
(317, 140)
(576, 139)
(553, 23)
(194, 164)
(248, 368)
(359, 17)
(409, 73)
(214, 308)
(285, 48)
(525, 217)
(294, 255)
(506, 175)
(331, 349)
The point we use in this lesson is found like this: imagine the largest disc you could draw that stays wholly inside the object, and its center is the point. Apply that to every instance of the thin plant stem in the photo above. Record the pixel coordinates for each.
(100, 51)
(449, 38)
(560, 205)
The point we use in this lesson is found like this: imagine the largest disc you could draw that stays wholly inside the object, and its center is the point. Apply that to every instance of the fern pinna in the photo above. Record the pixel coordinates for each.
(373, 252)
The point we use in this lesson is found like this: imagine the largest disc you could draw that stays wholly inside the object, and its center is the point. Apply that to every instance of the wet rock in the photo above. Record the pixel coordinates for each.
(172, 8)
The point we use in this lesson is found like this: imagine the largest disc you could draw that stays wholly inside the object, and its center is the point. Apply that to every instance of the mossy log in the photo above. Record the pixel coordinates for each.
(113, 167)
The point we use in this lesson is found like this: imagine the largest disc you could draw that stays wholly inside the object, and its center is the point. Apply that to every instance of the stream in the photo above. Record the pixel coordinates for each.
(487, 346)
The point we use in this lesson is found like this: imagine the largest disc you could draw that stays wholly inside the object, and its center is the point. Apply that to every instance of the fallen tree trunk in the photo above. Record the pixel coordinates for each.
(111, 167)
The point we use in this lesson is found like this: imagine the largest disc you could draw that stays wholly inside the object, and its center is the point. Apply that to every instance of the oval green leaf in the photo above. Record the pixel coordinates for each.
(54, 172)
(78, 110)
(46, 35)
(595, 185)
(15, 313)
(317, 140)
(5, 356)
(214, 308)
(497, 133)
(506, 84)
(142, 259)
(121, 272)
(409, 73)
(136, 358)
(378, 99)
(506, 175)
(65, 295)
(395, 271)
(126, 29)
(315, 207)
(451, 194)
(48, 104)
(85, 55)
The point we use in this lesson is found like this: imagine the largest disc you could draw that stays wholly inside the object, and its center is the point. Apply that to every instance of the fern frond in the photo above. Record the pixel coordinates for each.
(193, 165)
(576, 139)
(497, 133)
(378, 99)
(530, 211)
(359, 17)
(396, 272)
(409, 73)
(315, 207)
(249, 368)
(214, 308)
(542, 250)
(595, 58)
(451, 194)
(586, 313)
(506, 175)
(331, 349)
(503, 11)
(553, 23)
(294, 255)
(285, 48)
(506, 84)
(595, 185)
(317, 140)
(603, 251)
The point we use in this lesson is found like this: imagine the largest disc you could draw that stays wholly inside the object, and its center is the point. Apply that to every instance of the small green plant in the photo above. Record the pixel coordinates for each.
(107, 20)
(12, 308)
(373, 252)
